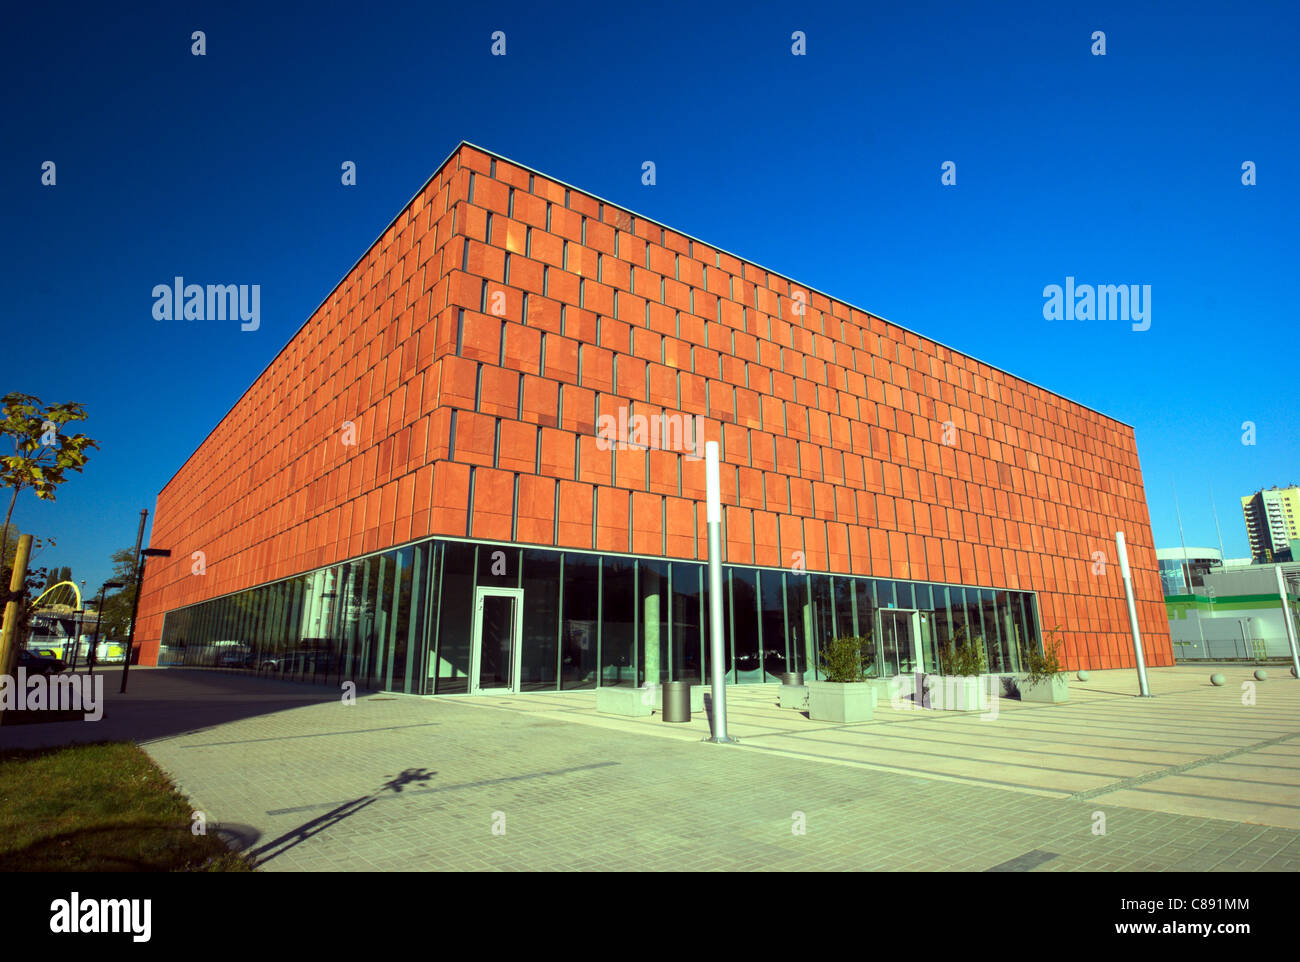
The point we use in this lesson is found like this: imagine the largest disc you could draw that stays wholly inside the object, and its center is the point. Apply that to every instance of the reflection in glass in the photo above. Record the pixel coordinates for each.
(873, 656)
(925, 625)
(618, 624)
(744, 625)
(798, 624)
(686, 613)
(942, 624)
(845, 617)
(975, 619)
(579, 638)
(823, 620)
(541, 620)
(992, 642)
(1009, 642)
(772, 599)
(455, 618)
(587, 619)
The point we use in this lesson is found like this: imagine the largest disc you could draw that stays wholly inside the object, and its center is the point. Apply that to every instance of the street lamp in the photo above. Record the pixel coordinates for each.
(135, 605)
(99, 617)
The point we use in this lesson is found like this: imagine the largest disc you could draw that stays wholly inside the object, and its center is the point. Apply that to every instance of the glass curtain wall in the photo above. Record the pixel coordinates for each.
(402, 620)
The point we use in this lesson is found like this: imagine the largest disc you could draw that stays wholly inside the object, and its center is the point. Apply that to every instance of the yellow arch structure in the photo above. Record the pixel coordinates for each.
(76, 594)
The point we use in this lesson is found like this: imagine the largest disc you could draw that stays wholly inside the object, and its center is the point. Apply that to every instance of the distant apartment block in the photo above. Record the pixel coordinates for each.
(1271, 522)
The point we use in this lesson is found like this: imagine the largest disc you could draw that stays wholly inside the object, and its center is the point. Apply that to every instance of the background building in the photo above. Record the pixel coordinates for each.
(415, 493)
(1272, 518)
(1182, 569)
(1230, 612)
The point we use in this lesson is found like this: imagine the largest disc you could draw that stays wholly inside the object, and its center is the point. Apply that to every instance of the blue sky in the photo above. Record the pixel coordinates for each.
(1123, 168)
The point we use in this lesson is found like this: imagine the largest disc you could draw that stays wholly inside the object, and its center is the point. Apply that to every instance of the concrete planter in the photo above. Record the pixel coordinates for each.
(894, 692)
(1054, 690)
(843, 702)
(958, 692)
(794, 696)
(620, 700)
(1003, 684)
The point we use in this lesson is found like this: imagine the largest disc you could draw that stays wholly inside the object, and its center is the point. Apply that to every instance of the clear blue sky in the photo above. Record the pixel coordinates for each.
(226, 169)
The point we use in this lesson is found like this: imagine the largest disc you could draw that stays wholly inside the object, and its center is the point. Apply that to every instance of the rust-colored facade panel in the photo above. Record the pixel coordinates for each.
(456, 381)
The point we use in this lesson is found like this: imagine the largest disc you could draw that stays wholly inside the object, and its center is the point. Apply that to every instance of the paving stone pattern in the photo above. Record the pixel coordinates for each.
(409, 783)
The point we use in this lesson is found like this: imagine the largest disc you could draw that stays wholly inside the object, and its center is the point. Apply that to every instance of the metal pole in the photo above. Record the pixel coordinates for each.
(81, 617)
(717, 643)
(1215, 511)
(1286, 617)
(76, 638)
(94, 639)
(1187, 575)
(1132, 614)
(135, 603)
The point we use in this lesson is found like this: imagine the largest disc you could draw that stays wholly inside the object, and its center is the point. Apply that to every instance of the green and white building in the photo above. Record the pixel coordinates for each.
(1226, 610)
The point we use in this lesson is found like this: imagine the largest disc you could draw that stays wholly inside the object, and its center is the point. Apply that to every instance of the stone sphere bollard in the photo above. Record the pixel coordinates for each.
(1082, 675)
(1218, 680)
(1261, 674)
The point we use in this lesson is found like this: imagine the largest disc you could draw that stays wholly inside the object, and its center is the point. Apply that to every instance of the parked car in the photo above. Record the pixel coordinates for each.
(37, 664)
(230, 654)
(302, 661)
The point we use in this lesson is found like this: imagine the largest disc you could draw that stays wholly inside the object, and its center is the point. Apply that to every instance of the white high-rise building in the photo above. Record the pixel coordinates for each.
(1272, 519)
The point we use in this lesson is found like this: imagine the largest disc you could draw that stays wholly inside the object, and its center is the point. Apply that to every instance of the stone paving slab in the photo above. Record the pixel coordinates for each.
(1099, 744)
(408, 783)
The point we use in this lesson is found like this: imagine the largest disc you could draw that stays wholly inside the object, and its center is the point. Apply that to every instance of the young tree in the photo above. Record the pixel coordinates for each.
(42, 453)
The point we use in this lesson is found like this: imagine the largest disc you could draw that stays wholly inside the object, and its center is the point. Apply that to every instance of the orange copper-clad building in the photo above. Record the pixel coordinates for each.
(476, 467)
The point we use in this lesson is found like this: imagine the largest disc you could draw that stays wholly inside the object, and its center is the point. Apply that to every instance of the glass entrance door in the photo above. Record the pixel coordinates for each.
(498, 626)
(900, 641)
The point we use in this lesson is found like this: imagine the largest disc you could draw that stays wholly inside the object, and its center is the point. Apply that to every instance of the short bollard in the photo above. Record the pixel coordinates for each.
(677, 701)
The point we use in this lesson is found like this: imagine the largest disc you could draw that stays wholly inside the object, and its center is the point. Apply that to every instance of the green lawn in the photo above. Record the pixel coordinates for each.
(102, 807)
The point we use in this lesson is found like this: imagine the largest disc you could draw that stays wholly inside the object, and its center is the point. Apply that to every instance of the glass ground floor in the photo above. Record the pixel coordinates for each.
(458, 617)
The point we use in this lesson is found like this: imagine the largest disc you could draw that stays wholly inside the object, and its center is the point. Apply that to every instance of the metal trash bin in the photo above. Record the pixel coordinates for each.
(792, 678)
(677, 701)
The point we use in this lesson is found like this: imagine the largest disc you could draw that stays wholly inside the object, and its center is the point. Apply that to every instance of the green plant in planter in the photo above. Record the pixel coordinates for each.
(963, 656)
(1044, 665)
(842, 659)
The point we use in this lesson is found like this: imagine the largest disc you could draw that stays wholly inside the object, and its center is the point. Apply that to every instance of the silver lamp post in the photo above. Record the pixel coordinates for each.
(1132, 614)
(1286, 618)
(717, 641)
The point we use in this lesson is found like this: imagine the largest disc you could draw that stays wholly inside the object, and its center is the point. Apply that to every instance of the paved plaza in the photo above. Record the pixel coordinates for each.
(1191, 780)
